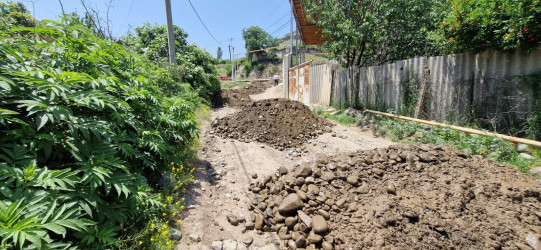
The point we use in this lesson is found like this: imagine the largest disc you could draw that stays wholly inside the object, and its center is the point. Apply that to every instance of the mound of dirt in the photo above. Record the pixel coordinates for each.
(402, 197)
(240, 96)
(280, 123)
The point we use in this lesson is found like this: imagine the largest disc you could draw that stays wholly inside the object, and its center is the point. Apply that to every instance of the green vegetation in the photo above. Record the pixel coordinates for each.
(338, 116)
(14, 13)
(95, 137)
(367, 32)
(477, 25)
(493, 148)
(196, 66)
(219, 53)
(255, 38)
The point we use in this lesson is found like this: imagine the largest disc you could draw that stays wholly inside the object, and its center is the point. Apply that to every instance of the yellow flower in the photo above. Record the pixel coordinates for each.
(140, 243)
(179, 221)
(181, 207)
(172, 163)
(164, 214)
(174, 213)
(183, 199)
(143, 203)
(164, 226)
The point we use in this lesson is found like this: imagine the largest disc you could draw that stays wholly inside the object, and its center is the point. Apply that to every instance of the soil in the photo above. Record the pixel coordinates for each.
(280, 123)
(237, 97)
(402, 197)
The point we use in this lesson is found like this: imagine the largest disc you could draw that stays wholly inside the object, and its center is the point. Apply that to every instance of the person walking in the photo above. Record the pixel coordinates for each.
(275, 80)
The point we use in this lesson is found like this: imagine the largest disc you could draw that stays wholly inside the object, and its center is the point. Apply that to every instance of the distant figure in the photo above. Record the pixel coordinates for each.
(275, 80)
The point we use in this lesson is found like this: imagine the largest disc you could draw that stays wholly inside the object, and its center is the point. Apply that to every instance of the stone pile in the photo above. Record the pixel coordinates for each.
(280, 123)
(238, 97)
(400, 197)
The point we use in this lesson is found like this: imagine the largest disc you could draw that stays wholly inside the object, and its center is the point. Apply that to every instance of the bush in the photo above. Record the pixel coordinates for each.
(85, 128)
(477, 25)
(196, 66)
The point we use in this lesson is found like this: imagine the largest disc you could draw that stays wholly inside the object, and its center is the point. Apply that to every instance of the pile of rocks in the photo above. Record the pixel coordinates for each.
(240, 96)
(281, 123)
(399, 197)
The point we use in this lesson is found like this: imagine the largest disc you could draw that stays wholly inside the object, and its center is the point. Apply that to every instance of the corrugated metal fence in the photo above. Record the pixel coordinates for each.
(484, 85)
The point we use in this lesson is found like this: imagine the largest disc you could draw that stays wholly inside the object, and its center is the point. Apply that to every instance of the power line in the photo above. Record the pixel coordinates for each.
(204, 23)
(281, 27)
(265, 19)
(281, 18)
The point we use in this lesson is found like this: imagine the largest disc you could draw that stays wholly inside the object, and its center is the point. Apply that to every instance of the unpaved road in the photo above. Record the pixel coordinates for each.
(212, 198)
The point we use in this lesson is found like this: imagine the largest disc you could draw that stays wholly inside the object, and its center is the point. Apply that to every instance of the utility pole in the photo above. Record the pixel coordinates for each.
(291, 38)
(170, 34)
(231, 48)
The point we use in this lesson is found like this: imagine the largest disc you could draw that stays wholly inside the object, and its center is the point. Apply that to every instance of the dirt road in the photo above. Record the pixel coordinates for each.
(225, 169)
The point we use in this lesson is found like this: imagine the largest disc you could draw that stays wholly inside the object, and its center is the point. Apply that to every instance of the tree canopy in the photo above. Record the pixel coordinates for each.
(375, 32)
(256, 38)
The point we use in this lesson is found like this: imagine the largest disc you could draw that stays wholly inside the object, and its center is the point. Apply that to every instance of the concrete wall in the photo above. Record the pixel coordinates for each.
(488, 86)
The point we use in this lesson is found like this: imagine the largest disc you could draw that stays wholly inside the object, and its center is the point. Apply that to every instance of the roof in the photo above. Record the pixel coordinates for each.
(310, 33)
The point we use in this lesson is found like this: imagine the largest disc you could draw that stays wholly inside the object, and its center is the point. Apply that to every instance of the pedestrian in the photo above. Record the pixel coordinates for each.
(275, 80)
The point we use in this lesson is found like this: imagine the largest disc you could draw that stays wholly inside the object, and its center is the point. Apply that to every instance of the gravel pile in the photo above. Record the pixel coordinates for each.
(403, 197)
(238, 97)
(279, 123)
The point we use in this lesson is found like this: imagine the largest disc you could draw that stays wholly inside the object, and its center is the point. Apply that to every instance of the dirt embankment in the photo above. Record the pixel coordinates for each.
(279, 123)
(238, 97)
(400, 197)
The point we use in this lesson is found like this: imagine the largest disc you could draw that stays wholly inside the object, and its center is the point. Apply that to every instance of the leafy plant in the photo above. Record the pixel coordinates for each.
(477, 25)
(86, 129)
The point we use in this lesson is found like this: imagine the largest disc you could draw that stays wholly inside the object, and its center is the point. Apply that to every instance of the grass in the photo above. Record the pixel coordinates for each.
(232, 84)
(338, 116)
(493, 148)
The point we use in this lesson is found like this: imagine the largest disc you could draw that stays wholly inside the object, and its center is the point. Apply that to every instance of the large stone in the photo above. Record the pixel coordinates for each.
(305, 218)
(230, 245)
(319, 224)
(321, 159)
(291, 203)
(314, 238)
(217, 245)
(282, 171)
(290, 221)
(175, 234)
(526, 156)
(233, 219)
(258, 222)
(303, 171)
(533, 241)
(536, 170)
(353, 179)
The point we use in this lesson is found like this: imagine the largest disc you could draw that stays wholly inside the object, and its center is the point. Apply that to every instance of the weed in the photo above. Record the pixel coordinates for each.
(493, 148)
(338, 116)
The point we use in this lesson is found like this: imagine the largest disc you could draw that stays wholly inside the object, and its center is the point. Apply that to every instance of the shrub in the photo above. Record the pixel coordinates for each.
(85, 128)
(477, 25)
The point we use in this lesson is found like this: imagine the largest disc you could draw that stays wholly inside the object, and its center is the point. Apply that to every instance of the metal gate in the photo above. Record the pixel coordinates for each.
(299, 83)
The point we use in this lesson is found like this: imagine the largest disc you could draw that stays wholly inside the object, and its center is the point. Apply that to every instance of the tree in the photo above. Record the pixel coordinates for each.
(219, 53)
(196, 66)
(375, 32)
(15, 13)
(255, 38)
(497, 24)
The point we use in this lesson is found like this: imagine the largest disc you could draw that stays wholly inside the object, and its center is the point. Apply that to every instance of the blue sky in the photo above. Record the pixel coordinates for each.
(224, 19)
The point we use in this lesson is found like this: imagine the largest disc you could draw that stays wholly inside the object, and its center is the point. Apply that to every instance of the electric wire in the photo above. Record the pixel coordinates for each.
(265, 19)
(281, 18)
(281, 27)
(193, 8)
